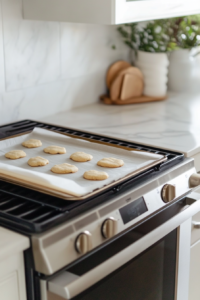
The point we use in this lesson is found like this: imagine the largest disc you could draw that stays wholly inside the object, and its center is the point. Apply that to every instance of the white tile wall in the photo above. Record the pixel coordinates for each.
(87, 49)
(47, 67)
(32, 53)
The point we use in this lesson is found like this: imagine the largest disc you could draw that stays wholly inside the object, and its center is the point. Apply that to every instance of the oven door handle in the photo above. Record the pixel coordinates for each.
(68, 285)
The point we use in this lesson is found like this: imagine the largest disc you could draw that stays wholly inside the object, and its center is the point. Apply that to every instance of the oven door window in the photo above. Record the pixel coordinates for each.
(149, 276)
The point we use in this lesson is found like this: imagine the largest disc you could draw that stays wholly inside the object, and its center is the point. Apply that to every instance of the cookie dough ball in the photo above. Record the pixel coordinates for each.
(38, 161)
(64, 169)
(32, 143)
(15, 154)
(55, 150)
(110, 162)
(95, 175)
(81, 157)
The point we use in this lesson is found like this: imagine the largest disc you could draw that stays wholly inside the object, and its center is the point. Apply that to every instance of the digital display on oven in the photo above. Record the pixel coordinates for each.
(133, 210)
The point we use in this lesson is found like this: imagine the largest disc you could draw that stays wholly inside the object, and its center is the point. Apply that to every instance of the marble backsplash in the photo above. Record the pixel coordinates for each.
(48, 67)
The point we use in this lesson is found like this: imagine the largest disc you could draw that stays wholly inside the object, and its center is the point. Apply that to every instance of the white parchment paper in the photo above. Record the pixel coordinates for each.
(70, 184)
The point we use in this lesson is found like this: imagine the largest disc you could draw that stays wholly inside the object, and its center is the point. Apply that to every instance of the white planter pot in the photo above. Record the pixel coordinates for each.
(184, 71)
(154, 67)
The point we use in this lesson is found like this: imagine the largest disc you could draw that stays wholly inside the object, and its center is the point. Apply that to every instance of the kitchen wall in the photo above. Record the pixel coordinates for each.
(47, 67)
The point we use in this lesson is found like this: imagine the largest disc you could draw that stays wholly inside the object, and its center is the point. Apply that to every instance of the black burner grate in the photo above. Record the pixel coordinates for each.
(30, 211)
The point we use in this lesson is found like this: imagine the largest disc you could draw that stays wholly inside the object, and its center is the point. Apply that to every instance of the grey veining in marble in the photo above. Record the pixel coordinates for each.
(172, 124)
(87, 49)
(48, 67)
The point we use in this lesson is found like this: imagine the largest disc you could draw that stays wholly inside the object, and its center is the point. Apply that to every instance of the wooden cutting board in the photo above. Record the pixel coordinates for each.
(142, 99)
(126, 85)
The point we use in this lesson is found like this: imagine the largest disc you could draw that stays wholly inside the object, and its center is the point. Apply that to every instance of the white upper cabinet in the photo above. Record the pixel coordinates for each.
(107, 11)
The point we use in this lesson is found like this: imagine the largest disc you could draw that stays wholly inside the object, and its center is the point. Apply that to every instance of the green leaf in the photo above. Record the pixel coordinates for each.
(162, 35)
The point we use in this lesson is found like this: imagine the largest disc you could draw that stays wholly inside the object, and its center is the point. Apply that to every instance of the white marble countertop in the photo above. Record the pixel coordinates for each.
(171, 124)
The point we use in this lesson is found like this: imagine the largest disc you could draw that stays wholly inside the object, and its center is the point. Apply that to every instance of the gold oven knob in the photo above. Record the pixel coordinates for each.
(109, 228)
(83, 243)
(168, 193)
(194, 180)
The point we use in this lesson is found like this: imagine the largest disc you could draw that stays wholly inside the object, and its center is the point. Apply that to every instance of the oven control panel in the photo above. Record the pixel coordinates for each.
(77, 237)
(133, 210)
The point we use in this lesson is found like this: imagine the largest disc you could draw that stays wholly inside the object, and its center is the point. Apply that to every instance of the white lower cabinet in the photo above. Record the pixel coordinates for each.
(194, 291)
(6, 292)
(12, 273)
(194, 288)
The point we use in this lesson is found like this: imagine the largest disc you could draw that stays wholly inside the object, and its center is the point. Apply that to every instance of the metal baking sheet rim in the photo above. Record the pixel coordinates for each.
(64, 196)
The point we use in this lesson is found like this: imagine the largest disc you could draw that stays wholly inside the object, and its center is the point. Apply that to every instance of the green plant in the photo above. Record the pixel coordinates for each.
(186, 31)
(129, 33)
(155, 36)
(163, 35)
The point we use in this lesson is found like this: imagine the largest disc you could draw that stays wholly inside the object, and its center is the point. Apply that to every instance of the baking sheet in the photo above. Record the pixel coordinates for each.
(71, 185)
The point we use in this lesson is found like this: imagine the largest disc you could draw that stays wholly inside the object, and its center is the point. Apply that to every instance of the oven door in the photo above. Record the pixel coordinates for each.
(142, 264)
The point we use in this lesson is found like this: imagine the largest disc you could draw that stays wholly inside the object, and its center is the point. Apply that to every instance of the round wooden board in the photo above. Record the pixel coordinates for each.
(114, 69)
(117, 83)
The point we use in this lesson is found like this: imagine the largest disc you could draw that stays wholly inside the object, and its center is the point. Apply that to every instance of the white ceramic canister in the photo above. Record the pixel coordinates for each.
(154, 67)
(184, 70)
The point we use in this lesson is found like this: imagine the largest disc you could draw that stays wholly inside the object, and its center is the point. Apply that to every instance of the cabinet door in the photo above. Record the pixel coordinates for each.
(107, 11)
(195, 234)
(12, 278)
(9, 289)
(194, 289)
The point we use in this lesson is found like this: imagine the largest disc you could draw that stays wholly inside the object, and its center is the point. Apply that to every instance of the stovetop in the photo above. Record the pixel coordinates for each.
(29, 211)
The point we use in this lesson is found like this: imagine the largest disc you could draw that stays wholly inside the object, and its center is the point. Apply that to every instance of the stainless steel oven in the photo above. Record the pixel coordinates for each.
(131, 241)
(148, 261)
